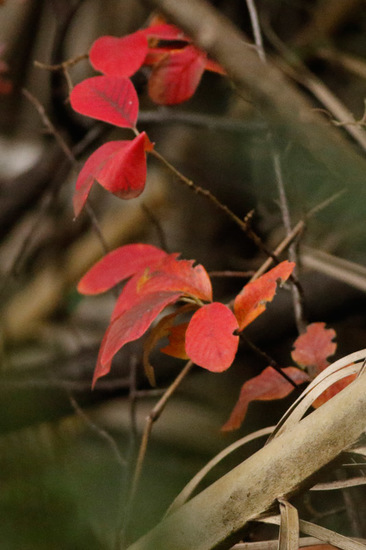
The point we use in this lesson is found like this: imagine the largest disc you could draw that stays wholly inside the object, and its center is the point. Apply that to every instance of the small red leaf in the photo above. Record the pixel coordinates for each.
(119, 56)
(312, 348)
(177, 337)
(118, 166)
(251, 301)
(112, 99)
(124, 173)
(118, 265)
(266, 386)
(175, 77)
(91, 168)
(210, 342)
(132, 324)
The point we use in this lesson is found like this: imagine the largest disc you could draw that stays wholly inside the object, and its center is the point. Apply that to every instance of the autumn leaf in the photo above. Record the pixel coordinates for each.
(134, 322)
(112, 99)
(119, 56)
(210, 339)
(90, 170)
(120, 264)
(156, 280)
(174, 274)
(175, 77)
(251, 301)
(313, 347)
(162, 329)
(177, 342)
(266, 386)
(118, 166)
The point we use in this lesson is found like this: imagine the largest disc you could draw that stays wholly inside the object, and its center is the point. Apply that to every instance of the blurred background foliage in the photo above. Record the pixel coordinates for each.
(67, 453)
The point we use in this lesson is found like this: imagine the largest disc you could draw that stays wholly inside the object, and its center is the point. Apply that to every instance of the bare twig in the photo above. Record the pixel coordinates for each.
(98, 430)
(269, 360)
(297, 292)
(153, 416)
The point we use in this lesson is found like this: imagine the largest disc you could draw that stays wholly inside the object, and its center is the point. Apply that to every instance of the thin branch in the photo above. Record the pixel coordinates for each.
(269, 360)
(70, 155)
(61, 66)
(156, 223)
(297, 292)
(153, 416)
(98, 430)
(50, 127)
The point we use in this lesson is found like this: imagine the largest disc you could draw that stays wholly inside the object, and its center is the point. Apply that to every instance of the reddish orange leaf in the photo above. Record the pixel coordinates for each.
(175, 77)
(112, 99)
(119, 56)
(134, 322)
(160, 330)
(333, 390)
(214, 67)
(312, 348)
(181, 275)
(177, 342)
(210, 339)
(118, 166)
(251, 301)
(118, 265)
(266, 386)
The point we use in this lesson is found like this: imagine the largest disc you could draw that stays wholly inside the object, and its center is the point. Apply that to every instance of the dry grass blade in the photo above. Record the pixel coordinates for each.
(325, 535)
(341, 484)
(351, 364)
(330, 537)
(289, 527)
(188, 490)
(273, 544)
(218, 514)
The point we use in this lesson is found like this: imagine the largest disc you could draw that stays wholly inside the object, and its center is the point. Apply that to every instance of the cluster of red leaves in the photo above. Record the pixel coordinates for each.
(158, 279)
(177, 66)
(120, 166)
(311, 350)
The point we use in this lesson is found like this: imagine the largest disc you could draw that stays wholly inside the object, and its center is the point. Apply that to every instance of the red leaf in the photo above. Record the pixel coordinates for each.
(132, 324)
(118, 166)
(312, 348)
(119, 56)
(333, 390)
(177, 337)
(124, 173)
(214, 67)
(175, 77)
(251, 301)
(112, 99)
(180, 275)
(266, 386)
(90, 170)
(210, 342)
(118, 265)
